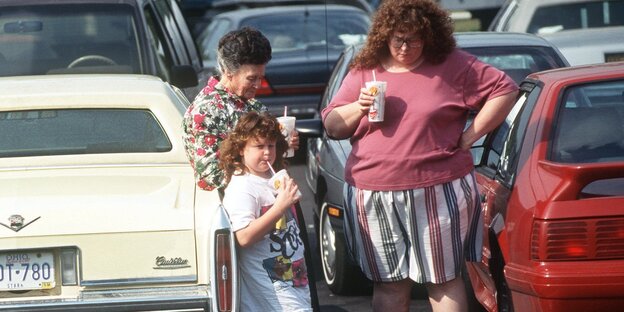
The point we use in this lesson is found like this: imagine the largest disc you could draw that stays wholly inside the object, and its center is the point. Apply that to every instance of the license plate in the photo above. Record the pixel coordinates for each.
(614, 57)
(26, 270)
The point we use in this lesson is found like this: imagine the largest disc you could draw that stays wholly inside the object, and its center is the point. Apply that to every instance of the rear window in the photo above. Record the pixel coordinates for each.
(49, 39)
(518, 62)
(80, 131)
(306, 29)
(590, 124)
(549, 19)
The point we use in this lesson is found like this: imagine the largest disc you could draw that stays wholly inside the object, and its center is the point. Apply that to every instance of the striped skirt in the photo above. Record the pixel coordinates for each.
(424, 234)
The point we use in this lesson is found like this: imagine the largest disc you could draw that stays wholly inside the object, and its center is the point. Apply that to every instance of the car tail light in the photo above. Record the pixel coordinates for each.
(69, 273)
(223, 271)
(264, 89)
(583, 239)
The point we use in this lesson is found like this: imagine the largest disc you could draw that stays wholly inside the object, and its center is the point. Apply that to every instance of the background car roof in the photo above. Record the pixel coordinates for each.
(491, 39)
(87, 90)
(580, 73)
(243, 14)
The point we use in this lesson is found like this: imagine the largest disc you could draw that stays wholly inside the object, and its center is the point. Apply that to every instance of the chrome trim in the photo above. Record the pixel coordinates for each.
(179, 164)
(165, 298)
(137, 281)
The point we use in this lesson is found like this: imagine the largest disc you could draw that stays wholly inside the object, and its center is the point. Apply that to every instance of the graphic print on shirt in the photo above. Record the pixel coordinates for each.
(288, 266)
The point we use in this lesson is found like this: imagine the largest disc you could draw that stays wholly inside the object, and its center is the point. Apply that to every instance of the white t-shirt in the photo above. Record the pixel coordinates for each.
(273, 271)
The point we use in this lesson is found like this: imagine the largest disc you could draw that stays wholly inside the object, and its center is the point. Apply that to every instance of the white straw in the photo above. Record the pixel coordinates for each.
(271, 167)
(374, 79)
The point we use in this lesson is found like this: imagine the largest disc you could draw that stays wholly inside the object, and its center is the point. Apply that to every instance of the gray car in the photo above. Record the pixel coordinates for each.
(516, 54)
(99, 36)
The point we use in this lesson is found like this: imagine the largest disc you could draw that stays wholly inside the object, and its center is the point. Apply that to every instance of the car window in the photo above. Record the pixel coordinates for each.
(548, 19)
(209, 40)
(335, 81)
(307, 30)
(185, 35)
(589, 126)
(160, 44)
(500, 154)
(80, 131)
(42, 39)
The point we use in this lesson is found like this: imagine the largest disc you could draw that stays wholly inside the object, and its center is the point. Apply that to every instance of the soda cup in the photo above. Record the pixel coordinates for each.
(287, 126)
(378, 90)
(276, 180)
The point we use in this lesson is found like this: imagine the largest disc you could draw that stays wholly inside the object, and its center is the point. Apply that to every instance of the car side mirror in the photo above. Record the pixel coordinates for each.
(309, 128)
(184, 76)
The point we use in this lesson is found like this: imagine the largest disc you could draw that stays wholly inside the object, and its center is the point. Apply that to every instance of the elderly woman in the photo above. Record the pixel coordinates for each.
(242, 57)
(412, 211)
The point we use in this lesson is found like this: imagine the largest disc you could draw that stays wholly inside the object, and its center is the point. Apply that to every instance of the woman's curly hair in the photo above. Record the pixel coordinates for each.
(250, 126)
(425, 17)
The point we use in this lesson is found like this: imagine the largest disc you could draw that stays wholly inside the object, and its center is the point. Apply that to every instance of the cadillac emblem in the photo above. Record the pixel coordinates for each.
(16, 222)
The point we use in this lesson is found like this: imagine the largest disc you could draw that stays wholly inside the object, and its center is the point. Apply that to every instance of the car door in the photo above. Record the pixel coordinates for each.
(174, 57)
(497, 162)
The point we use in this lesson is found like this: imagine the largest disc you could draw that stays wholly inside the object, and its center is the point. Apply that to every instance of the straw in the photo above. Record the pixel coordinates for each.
(285, 110)
(374, 79)
(270, 167)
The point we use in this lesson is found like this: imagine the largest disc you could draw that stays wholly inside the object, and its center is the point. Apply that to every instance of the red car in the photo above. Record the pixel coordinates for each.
(552, 185)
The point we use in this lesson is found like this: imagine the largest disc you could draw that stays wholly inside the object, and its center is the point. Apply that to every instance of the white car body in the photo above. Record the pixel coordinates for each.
(524, 15)
(590, 46)
(132, 228)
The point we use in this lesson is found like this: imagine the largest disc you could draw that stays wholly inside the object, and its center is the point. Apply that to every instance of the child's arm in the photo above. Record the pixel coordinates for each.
(258, 228)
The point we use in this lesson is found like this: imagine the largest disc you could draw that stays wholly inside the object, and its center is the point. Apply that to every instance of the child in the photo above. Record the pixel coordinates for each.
(271, 260)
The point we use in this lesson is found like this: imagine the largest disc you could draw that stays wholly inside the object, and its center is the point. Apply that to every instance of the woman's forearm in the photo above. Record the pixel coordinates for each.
(489, 117)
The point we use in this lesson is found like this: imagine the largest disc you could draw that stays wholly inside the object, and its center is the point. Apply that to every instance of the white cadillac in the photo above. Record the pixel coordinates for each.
(98, 205)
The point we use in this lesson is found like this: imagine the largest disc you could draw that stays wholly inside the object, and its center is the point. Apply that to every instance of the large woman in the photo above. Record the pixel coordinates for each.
(412, 209)
(242, 56)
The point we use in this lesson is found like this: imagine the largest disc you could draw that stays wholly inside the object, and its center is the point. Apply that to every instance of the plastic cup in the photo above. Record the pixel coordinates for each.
(378, 90)
(276, 180)
(287, 125)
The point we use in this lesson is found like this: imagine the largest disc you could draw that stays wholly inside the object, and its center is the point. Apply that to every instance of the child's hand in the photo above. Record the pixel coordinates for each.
(287, 193)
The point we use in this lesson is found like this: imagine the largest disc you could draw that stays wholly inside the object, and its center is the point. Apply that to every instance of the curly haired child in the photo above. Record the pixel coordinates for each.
(271, 252)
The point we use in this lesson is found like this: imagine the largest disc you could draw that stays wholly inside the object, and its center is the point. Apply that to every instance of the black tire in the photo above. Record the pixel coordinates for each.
(341, 276)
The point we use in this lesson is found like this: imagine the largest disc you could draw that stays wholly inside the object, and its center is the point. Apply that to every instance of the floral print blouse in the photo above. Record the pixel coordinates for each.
(207, 122)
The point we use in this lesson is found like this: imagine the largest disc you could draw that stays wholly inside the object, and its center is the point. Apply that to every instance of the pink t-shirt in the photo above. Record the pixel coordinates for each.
(426, 111)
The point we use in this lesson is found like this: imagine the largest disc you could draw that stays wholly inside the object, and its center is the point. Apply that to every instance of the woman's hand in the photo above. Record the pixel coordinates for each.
(341, 122)
(294, 140)
(365, 100)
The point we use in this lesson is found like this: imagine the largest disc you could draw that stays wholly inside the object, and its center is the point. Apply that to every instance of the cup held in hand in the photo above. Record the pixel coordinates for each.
(378, 90)
(275, 182)
(287, 126)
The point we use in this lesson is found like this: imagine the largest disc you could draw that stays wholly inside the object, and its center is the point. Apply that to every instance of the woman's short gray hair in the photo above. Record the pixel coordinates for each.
(240, 47)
